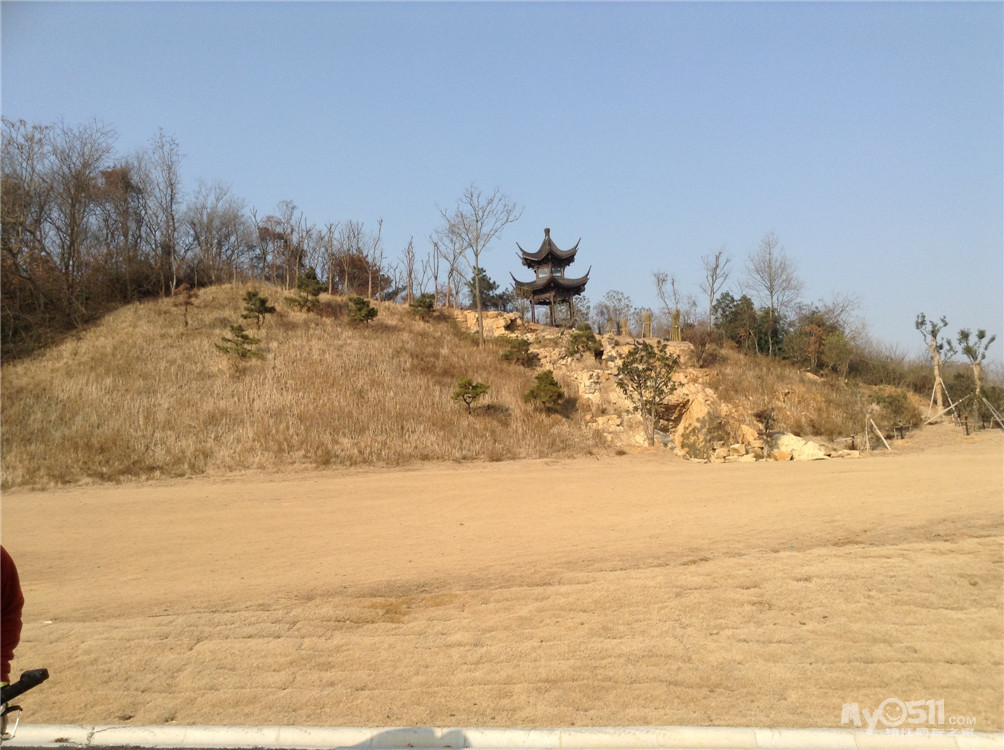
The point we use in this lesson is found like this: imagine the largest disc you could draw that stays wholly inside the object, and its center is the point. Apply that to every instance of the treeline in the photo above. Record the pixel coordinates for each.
(85, 230)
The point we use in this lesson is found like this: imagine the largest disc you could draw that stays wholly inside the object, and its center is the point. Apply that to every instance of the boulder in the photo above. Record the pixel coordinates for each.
(695, 436)
(799, 448)
(780, 456)
(748, 436)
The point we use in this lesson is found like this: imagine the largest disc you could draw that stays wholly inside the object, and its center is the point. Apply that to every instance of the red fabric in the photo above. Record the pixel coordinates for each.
(11, 604)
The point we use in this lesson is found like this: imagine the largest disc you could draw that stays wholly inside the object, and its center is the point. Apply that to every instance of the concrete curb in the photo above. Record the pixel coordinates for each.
(396, 738)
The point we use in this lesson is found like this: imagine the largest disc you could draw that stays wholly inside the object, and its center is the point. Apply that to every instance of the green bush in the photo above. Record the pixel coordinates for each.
(584, 340)
(360, 310)
(256, 307)
(240, 344)
(424, 305)
(546, 393)
(895, 410)
(468, 390)
(517, 351)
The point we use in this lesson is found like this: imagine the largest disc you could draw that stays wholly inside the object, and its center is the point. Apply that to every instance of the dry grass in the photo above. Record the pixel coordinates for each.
(140, 396)
(803, 404)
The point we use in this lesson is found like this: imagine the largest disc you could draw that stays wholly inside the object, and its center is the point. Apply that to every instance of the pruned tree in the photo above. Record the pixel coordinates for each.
(645, 375)
(477, 219)
(941, 350)
(975, 350)
(772, 277)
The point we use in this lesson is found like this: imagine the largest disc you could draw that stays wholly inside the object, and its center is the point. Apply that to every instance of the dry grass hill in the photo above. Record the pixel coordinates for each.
(141, 395)
(145, 394)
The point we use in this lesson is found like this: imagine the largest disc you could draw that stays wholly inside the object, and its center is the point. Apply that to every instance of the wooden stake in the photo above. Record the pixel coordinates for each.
(878, 432)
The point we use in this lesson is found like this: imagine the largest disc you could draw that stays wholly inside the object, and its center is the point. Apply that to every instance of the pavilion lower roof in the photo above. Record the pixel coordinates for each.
(547, 283)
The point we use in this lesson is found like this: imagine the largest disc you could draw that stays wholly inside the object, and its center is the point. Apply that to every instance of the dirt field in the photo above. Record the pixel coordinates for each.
(631, 590)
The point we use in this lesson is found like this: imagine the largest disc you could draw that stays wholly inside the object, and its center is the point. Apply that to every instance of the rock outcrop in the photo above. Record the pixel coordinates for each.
(700, 427)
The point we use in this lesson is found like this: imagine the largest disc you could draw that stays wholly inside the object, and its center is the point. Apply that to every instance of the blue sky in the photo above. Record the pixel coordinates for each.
(867, 136)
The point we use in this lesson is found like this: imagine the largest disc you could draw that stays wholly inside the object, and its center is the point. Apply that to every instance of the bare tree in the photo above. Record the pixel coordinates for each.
(328, 243)
(165, 201)
(474, 223)
(27, 291)
(773, 279)
(450, 249)
(408, 271)
(123, 213)
(716, 273)
(612, 312)
(374, 261)
(679, 308)
(431, 266)
(216, 225)
(78, 154)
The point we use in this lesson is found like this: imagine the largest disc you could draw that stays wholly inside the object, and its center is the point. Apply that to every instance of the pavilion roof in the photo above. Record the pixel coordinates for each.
(546, 283)
(548, 251)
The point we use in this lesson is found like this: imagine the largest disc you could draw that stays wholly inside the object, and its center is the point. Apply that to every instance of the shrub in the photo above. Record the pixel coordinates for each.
(256, 307)
(517, 351)
(895, 410)
(584, 340)
(424, 305)
(360, 310)
(240, 343)
(645, 375)
(469, 391)
(701, 336)
(546, 393)
(303, 302)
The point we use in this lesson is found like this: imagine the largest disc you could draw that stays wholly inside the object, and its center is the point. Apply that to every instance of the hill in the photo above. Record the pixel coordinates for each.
(142, 395)
(146, 394)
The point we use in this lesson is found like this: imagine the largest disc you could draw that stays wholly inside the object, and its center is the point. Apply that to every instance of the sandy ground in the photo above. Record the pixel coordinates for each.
(630, 590)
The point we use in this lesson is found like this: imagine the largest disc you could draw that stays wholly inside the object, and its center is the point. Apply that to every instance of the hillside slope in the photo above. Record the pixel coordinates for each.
(141, 395)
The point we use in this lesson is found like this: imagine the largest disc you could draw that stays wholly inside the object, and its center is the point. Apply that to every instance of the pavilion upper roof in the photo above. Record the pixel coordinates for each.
(548, 253)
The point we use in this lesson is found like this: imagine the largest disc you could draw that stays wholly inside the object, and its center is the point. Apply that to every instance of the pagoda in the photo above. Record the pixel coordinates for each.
(550, 286)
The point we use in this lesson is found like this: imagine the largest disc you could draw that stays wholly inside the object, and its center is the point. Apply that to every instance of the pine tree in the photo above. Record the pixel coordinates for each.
(645, 375)
(546, 392)
(360, 310)
(256, 307)
(240, 343)
(469, 391)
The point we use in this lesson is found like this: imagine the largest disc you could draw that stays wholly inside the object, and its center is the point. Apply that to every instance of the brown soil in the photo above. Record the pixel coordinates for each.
(631, 590)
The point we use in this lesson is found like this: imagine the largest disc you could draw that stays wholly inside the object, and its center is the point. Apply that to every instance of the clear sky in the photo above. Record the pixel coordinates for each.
(867, 136)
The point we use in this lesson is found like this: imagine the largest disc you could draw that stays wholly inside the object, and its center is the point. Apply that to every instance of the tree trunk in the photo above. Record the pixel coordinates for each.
(938, 384)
